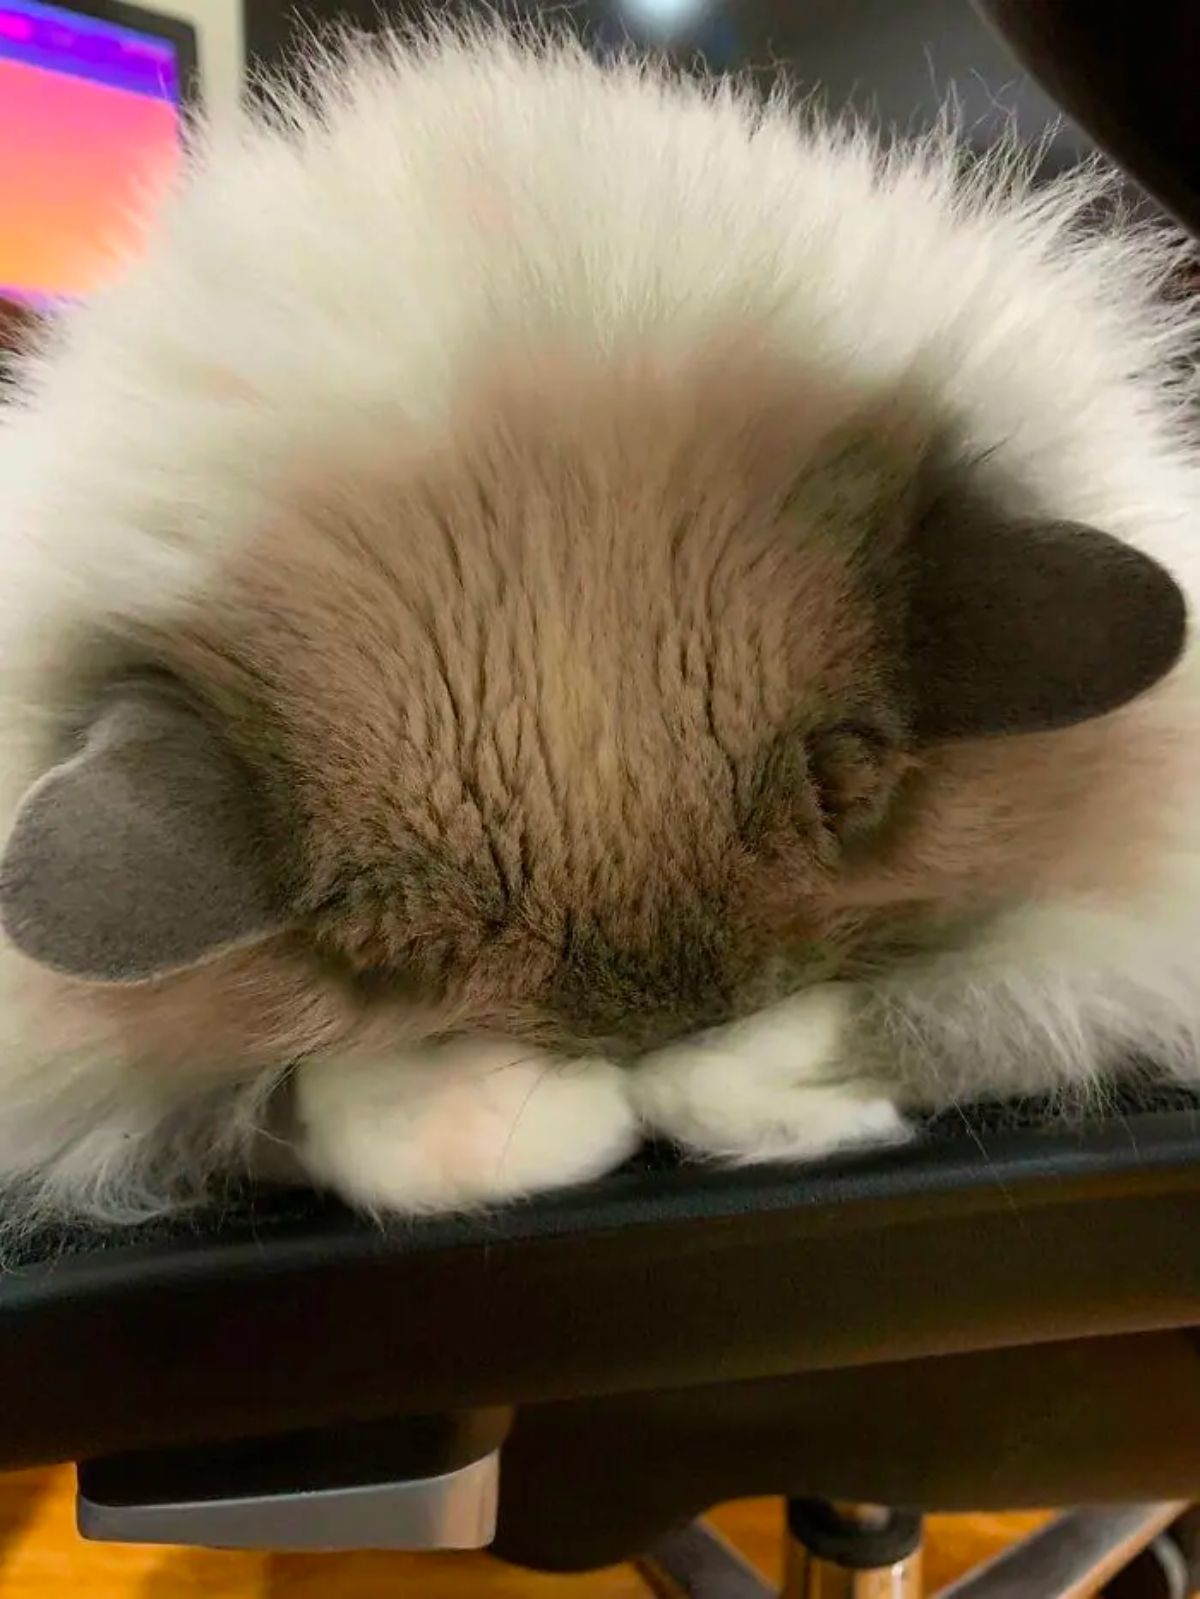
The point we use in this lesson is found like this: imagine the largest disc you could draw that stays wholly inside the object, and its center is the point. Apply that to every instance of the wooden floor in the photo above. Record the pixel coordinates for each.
(41, 1558)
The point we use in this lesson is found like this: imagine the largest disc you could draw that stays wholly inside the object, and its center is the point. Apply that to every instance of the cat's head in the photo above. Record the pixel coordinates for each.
(641, 697)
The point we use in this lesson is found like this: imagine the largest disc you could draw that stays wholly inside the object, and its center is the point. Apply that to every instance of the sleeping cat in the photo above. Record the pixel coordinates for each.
(557, 603)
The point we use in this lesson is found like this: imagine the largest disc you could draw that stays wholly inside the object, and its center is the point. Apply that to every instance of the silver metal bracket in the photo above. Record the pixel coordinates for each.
(454, 1511)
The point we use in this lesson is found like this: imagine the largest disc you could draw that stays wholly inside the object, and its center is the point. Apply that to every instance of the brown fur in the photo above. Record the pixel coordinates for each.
(588, 724)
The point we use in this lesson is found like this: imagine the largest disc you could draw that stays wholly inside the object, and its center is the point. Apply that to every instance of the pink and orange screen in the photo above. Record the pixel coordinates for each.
(89, 135)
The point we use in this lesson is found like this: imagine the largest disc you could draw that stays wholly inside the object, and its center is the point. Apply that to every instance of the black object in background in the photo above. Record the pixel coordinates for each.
(896, 61)
(1129, 74)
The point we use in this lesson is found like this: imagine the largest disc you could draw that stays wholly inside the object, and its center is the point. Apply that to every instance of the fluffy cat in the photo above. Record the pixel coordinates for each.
(557, 602)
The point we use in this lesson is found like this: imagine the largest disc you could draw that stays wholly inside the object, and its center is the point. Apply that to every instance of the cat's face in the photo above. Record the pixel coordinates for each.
(552, 715)
(611, 716)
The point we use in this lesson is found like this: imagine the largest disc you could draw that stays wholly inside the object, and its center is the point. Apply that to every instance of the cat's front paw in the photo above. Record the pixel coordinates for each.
(459, 1124)
(774, 1087)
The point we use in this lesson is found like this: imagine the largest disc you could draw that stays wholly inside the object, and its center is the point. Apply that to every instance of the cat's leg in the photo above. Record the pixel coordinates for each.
(458, 1124)
(1050, 998)
(782, 1085)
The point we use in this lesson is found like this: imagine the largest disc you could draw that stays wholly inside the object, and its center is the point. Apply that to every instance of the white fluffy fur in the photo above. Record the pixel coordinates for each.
(461, 1123)
(775, 1087)
(324, 273)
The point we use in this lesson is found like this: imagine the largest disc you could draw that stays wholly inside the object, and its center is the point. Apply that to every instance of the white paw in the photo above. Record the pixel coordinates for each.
(774, 1087)
(459, 1124)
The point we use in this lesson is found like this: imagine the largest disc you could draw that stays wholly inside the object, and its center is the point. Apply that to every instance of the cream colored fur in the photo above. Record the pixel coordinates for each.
(322, 276)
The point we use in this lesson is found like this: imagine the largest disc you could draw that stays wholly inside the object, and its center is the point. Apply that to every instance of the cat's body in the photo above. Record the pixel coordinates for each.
(514, 472)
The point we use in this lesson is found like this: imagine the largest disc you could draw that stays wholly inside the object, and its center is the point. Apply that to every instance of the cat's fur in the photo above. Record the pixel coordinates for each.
(459, 447)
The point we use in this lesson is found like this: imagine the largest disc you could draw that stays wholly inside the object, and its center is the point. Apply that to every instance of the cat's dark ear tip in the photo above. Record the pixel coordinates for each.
(1147, 623)
(1036, 627)
(1160, 645)
(140, 855)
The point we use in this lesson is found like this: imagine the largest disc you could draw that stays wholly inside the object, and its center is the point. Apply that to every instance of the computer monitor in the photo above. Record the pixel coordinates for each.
(92, 98)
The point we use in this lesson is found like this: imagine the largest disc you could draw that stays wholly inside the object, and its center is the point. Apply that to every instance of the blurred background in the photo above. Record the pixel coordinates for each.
(893, 60)
(93, 93)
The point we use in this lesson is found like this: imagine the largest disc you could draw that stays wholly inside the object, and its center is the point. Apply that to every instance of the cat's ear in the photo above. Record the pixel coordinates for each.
(1027, 626)
(141, 854)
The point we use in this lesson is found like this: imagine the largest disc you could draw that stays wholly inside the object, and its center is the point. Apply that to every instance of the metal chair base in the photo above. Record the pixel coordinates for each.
(1073, 1556)
(697, 1563)
(837, 1560)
